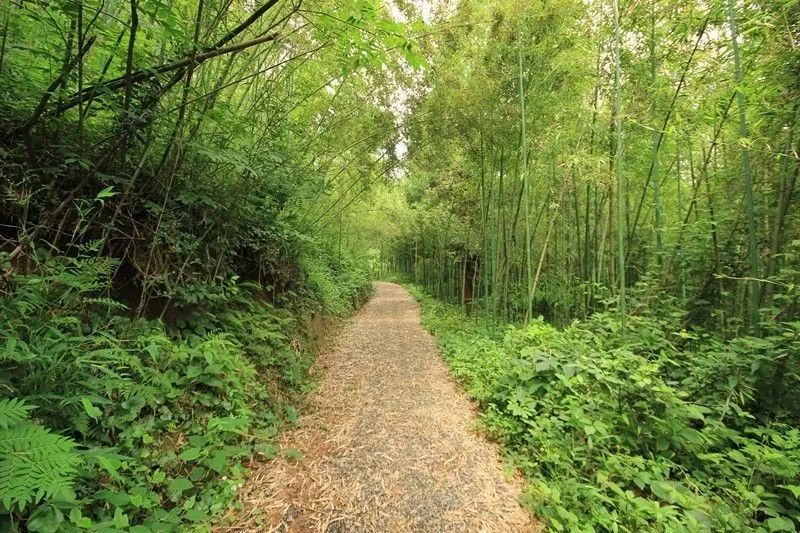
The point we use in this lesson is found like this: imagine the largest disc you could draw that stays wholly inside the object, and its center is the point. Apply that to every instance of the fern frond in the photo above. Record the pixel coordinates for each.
(34, 464)
(13, 410)
(110, 303)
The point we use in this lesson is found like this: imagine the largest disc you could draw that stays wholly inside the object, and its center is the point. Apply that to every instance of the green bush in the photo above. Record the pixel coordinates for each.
(629, 431)
(147, 428)
(337, 283)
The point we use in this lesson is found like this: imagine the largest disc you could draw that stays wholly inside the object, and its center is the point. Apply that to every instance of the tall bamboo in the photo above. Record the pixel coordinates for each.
(752, 224)
(616, 165)
(525, 185)
(655, 139)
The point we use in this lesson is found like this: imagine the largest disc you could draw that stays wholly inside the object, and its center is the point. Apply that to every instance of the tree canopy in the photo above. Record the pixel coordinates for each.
(596, 202)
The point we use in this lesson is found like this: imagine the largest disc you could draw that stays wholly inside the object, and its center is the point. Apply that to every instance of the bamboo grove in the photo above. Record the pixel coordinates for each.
(594, 200)
(133, 100)
(604, 237)
(180, 187)
(653, 151)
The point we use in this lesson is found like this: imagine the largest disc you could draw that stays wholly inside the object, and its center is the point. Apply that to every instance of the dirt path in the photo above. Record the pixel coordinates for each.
(387, 443)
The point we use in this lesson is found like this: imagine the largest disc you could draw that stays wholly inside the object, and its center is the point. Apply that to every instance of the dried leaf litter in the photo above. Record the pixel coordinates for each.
(387, 442)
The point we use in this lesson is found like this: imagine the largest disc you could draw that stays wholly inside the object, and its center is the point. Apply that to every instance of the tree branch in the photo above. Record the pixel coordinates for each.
(149, 73)
(24, 128)
(193, 59)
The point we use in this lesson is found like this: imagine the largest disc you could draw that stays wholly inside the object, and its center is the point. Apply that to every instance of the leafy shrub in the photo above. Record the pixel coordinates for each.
(136, 426)
(336, 282)
(625, 431)
(34, 463)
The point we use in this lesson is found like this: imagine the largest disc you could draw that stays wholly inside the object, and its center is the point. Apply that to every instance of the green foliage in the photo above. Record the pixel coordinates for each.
(629, 431)
(566, 159)
(12, 410)
(165, 239)
(336, 282)
(165, 418)
(34, 462)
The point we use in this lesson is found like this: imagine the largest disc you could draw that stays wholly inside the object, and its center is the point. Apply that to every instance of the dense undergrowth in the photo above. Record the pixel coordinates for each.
(109, 422)
(649, 428)
(175, 214)
(627, 170)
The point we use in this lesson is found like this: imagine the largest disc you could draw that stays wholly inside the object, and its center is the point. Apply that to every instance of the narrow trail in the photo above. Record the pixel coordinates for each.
(388, 442)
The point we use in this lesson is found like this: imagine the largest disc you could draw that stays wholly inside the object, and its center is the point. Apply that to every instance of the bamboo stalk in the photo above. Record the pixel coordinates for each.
(616, 164)
(525, 185)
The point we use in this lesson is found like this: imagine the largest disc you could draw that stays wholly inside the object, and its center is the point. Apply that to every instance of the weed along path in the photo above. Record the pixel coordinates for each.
(387, 443)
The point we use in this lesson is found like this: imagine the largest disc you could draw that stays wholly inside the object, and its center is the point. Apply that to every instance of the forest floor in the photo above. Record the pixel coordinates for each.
(388, 442)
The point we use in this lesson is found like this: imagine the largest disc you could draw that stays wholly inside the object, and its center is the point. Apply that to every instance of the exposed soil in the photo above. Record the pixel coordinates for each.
(388, 442)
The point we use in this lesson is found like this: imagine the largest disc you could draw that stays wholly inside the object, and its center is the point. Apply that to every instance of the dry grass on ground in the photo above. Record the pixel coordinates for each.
(387, 443)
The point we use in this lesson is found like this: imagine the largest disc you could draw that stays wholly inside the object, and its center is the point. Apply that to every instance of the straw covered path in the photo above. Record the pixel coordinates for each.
(387, 443)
